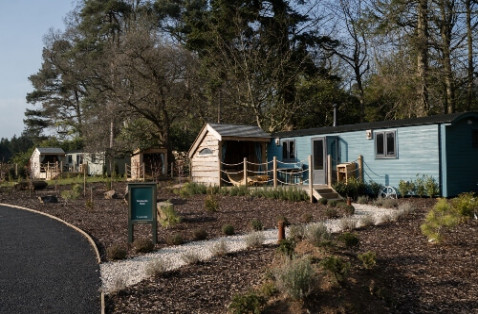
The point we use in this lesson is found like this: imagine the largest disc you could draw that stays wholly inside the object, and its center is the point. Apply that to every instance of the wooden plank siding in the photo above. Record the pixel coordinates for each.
(204, 168)
(417, 153)
(461, 171)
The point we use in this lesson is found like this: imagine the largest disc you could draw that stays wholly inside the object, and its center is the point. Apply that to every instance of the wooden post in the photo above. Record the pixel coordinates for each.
(274, 171)
(281, 233)
(61, 166)
(143, 168)
(311, 180)
(360, 168)
(85, 170)
(219, 163)
(245, 171)
(16, 171)
(329, 170)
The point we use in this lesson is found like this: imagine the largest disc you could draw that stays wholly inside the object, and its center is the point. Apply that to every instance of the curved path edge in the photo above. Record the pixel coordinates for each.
(82, 232)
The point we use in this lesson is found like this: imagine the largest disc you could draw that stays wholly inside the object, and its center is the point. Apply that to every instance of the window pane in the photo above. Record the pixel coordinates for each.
(284, 150)
(318, 155)
(291, 150)
(391, 144)
(379, 141)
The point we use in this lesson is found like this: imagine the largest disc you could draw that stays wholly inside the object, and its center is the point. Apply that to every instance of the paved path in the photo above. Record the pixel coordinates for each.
(45, 266)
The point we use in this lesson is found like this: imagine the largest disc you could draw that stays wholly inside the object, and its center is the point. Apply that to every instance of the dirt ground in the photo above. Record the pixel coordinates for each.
(412, 276)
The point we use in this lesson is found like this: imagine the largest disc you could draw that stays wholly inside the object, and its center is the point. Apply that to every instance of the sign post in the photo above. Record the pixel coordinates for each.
(142, 207)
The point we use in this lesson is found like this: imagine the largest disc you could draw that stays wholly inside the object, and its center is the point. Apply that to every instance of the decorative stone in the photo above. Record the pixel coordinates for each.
(111, 194)
(48, 199)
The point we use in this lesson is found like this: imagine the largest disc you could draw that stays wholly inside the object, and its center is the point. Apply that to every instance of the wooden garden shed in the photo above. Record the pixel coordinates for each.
(225, 146)
(46, 163)
(148, 163)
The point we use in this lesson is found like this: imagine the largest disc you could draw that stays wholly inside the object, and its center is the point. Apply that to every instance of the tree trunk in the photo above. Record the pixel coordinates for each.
(470, 67)
(446, 8)
(422, 57)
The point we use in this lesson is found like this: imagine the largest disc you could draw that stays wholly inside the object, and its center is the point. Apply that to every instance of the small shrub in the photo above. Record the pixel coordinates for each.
(268, 289)
(383, 219)
(389, 203)
(200, 234)
(440, 218)
(249, 302)
(228, 229)
(366, 221)
(350, 240)
(143, 245)
(255, 239)
(420, 186)
(168, 215)
(215, 189)
(211, 203)
(297, 232)
(349, 210)
(465, 205)
(369, 259)
(347, 224)
(406, 208)
(431, 186)
(155, 268)
(296, 278)
(191, 188)
(318, 234)
(256, 225)
(337, 267)
(89, 204)
(363, 199)
(373, 189)
(307, 218)
(219, 248)
(331, 213)
(323, 201)
(176, 239)
(332, 203)
(116, 252)
(191, 258)
(286, 247)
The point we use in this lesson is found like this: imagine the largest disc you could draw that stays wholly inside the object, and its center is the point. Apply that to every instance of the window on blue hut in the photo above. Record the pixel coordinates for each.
(288, 150)
(385, 144)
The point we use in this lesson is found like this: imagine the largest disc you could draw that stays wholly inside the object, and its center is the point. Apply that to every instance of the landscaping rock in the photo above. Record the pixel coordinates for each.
(111, 194)
(48, 199)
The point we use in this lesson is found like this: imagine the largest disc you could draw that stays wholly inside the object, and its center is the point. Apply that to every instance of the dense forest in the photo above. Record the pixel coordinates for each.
(134, 73)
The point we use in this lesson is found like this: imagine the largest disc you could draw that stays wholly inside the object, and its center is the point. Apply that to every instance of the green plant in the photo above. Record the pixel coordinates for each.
(307, 218)
(200, 234)
(268, 289)
(332, 203)
(420, 185)
(211, 203)
(337, 267)
(228, 229)
(366, 221)
(297, 232)
(369, 259)
(349, 210)
(363, 199)
(116, 252)
(191, 188)
(389, 203)
(168, 217)
(431, 186)
(155, 267)
(143, 245)
(256, 224)
(466, 204)
(176, 239)
(318, 234)
(218, 248)
(331, 213)
(249, 302)
(255, 239)
(373, 189)
(350, 239)
(406, 188)
(296, 278)
(347, 223)
(440, 218)
(286, 247)
(323, 201)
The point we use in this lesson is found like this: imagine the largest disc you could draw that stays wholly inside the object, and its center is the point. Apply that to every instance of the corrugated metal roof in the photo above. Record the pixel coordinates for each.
(50, 151)
(436, 119)
(233, 130)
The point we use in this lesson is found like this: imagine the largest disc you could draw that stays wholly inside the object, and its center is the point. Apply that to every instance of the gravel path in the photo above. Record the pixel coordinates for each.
(119, 274)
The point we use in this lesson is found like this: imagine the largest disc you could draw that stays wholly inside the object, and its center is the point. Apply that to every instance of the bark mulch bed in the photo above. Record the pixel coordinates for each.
(412, 276)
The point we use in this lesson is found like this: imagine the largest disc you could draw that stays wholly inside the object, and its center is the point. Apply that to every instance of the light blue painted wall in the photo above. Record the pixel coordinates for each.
(462, 158)
(417, 146)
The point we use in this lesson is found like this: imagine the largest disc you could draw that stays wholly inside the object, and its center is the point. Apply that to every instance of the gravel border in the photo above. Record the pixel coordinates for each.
(117, 275)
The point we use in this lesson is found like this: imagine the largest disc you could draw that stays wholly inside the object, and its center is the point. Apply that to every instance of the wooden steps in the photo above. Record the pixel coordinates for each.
(324, 191)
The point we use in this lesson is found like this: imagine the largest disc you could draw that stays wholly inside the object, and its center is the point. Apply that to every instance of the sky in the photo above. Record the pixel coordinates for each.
(23, 24)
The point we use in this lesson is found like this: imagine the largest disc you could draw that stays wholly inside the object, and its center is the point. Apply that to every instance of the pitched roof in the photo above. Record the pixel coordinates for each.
(50, 151)
(436, 119)
(234, 130)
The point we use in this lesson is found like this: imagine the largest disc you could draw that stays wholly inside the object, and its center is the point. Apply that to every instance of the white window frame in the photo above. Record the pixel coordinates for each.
(385, 154)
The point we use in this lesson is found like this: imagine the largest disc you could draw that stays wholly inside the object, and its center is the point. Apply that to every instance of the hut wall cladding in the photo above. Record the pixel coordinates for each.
(205, 167)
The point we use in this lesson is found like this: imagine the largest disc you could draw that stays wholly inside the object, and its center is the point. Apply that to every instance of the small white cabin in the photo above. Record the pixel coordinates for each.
(46, 162)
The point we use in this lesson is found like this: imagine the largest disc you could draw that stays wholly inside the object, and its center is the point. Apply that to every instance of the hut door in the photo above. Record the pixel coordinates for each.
(319, 161)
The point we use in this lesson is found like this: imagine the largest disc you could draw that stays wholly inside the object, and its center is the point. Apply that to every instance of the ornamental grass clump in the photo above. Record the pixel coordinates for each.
(211, 203)
(255, 239)
(249, 302)
(228, 229)
(143, 245)
(350, 240)
(336, 267)
(256, 224)
(368, 259)
(296, 278)
(156, 267)
(318, 234)
(218, 248)
(439, 219)
(116, 252)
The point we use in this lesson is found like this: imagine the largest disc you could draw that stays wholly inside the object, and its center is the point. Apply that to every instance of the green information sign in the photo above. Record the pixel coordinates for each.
(142, 207)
